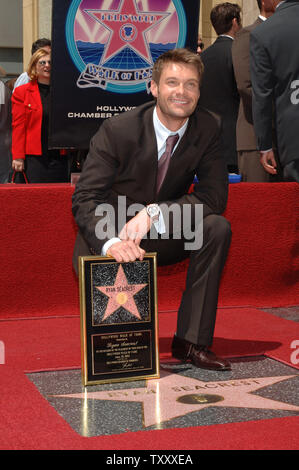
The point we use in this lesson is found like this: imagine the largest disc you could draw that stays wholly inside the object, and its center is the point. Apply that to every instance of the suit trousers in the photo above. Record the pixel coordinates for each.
(198, 308)
(291, 171)
(197, 312)
(251, 169)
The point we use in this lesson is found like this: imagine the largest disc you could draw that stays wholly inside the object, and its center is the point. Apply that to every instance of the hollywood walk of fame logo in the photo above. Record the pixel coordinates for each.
(114, 43)
(120, 298)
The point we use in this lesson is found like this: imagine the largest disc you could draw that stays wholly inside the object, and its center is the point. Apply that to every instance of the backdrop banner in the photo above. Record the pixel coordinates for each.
(103, 52)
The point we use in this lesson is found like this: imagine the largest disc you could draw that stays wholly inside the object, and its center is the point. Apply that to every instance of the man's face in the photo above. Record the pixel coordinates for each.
(236, 25)
(177, 93)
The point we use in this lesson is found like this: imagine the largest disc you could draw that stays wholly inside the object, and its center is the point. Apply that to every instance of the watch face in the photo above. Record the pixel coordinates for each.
(152, 211)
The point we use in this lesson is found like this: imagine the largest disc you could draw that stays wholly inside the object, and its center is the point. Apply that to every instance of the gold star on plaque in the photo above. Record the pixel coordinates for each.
(121, 294)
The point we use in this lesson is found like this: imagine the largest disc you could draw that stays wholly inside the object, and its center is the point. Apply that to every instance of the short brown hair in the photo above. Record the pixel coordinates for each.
(31, 70)
(183, 56)
(222, 16)
(40, 44)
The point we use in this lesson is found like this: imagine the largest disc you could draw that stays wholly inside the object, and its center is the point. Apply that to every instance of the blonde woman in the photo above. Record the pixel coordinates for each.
(30, 121)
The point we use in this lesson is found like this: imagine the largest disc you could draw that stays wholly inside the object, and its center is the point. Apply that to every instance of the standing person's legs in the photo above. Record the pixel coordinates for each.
(291, 171)
(250, 167)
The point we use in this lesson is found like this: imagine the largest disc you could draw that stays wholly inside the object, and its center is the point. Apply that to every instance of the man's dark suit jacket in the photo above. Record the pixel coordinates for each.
(275, 76)
(123, 160)
(246, 139)
(219, 93)
(5, 133)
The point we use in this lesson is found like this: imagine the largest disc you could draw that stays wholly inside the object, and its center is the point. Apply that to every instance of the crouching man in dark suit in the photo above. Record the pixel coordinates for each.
(149, 157)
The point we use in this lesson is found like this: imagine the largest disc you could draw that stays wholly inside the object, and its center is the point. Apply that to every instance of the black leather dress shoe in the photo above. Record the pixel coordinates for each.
(200, 356)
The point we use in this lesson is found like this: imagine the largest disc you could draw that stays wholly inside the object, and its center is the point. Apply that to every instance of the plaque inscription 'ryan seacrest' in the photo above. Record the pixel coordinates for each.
(119, 330)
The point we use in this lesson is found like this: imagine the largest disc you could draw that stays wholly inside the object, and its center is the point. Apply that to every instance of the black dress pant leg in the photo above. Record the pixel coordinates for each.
(197, 312)
(291, 171)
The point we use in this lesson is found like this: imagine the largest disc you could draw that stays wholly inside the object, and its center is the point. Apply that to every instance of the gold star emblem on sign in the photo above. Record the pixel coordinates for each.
(121, 294)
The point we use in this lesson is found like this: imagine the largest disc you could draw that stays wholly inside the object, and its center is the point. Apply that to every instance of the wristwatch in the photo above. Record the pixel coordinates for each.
(153, 211)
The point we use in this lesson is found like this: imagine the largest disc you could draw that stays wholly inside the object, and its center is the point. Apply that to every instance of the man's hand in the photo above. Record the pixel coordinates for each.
(125, 251)
(18, 164)
(136, 228)
(269, 163)
(128, 248)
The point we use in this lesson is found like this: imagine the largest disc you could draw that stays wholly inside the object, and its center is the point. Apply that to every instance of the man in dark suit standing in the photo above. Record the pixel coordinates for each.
(249, 164)
(125, 166)
(275, 80)
(219, 90)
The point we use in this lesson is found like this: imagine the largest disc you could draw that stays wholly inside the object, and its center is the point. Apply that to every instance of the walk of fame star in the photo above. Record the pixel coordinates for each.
(175, 395)
(127, 27)
(121, 294)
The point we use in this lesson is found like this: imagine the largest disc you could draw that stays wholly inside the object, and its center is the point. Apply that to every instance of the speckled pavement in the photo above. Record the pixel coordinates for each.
(257, 388)
(184, 396)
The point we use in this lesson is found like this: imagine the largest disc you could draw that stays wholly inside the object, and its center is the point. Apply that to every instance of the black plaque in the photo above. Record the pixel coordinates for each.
(119, 321)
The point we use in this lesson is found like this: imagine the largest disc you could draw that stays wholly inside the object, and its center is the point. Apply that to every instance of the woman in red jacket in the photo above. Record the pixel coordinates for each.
(30, 121)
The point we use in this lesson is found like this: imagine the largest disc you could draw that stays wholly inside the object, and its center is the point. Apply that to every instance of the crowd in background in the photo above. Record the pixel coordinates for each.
(251, 81)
